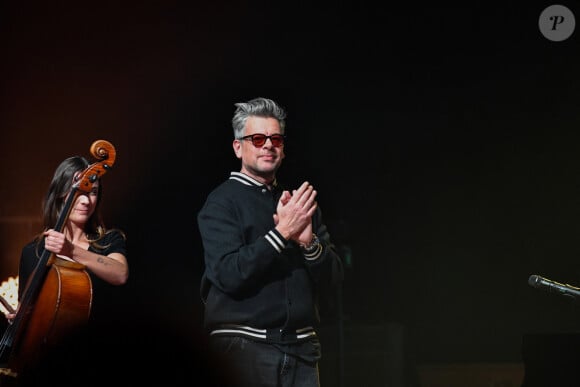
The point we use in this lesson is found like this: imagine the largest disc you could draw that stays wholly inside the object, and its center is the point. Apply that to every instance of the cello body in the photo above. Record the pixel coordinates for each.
(62, 306)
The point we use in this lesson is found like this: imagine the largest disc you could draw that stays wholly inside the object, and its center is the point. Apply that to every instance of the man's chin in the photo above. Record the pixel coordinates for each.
(269, 167)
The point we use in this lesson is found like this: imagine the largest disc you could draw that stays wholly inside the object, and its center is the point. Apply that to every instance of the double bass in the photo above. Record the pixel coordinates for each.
(57, 297)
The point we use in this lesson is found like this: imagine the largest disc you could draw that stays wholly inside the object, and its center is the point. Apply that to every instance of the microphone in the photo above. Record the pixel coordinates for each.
(554, 287)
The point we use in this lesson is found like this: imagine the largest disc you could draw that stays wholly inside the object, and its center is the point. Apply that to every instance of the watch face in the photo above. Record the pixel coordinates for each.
(313, 245)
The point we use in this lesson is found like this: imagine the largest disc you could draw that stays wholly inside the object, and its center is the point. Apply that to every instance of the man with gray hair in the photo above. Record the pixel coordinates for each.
(268, 256)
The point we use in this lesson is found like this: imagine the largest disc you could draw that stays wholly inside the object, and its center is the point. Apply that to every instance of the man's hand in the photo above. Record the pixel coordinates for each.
(293, 217)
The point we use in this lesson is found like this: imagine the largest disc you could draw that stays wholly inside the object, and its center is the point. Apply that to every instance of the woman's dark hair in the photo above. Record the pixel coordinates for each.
(55, 199)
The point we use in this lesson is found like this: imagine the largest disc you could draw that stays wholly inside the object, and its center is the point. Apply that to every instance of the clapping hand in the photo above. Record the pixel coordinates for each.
(293, 217)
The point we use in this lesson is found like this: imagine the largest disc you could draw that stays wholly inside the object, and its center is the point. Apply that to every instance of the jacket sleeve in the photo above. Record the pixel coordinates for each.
(233, 264)
(326, 269)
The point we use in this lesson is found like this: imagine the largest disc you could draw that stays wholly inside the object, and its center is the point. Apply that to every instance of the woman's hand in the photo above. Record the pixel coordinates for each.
(56, 242)
(10, 317)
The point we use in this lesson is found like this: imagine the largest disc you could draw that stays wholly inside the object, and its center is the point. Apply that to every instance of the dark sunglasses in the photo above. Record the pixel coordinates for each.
(259, 139)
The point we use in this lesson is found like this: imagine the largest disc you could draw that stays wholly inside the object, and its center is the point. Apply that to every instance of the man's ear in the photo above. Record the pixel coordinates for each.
(237, 145)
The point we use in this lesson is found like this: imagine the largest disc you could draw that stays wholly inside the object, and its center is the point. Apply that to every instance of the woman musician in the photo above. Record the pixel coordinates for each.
(84, 237)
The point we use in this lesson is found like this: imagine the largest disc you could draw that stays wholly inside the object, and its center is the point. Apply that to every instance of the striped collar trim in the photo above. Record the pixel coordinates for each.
(247, 180)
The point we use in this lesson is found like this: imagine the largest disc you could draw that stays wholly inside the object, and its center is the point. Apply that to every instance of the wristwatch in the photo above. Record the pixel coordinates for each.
(312, 246)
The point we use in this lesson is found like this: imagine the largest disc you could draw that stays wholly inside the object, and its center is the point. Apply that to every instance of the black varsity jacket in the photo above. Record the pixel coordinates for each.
(256, 283)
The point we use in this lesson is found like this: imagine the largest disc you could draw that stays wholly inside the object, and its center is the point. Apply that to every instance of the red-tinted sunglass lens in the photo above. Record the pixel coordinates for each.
(258, 139)
(277, 140)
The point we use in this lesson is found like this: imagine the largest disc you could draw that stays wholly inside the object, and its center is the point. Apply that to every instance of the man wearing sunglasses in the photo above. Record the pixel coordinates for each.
(267, 257)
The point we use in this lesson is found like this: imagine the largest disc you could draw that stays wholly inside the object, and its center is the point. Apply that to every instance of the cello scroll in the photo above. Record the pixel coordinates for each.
(102, 150)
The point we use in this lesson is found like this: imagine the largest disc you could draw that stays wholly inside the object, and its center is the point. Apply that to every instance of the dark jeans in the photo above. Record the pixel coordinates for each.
(258, 364)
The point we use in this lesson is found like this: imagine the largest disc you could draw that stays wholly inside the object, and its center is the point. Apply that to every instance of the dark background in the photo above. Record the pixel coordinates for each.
(442, 139)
